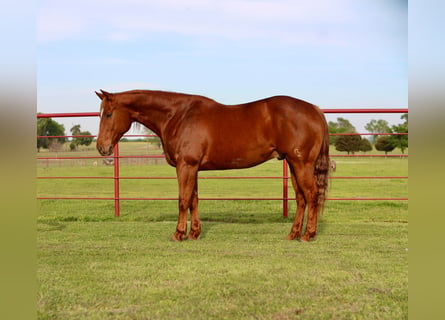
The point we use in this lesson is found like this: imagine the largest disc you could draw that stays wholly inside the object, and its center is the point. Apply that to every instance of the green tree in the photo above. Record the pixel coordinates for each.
(341, 126)
(401, 141)
(348, 143)
(377, 126)
(85, 140)
(365, 145)
(385, 143)
(49, 127)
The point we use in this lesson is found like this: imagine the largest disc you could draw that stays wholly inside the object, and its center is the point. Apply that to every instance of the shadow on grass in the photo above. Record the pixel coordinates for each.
(51, 226)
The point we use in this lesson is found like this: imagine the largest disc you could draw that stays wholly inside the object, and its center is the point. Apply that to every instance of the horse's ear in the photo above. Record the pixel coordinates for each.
(100, 95)
(103, 95)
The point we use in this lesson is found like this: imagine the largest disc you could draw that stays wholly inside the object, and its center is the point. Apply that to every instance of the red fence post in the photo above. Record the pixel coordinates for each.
(116, 181)
(285, 188)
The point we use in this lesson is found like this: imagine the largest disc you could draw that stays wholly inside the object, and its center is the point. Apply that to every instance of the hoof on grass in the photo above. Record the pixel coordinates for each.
(193, 236)
(292, 237)
(307, 239)
(177, 237)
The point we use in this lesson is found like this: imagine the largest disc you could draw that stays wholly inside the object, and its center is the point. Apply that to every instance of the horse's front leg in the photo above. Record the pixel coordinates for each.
(187, 179)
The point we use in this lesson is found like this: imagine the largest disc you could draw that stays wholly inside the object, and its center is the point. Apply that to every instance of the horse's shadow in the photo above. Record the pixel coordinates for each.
(208, 223)
(51, 226)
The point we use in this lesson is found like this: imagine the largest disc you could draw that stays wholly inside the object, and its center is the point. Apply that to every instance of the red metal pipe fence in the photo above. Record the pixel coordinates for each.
(284, 177)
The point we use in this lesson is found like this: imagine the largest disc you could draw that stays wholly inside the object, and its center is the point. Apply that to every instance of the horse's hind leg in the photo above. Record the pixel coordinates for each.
(297, 226)
(195, 228)
(304, 172)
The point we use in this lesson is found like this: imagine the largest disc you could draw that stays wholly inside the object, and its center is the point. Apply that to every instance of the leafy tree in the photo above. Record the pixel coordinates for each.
(341, 126)
(365, 145)
(75, 130)
(86, 141)
(49, 127)
(377, 126)
(385, 143)
(401, 141)
(405, 117)
(348, 143)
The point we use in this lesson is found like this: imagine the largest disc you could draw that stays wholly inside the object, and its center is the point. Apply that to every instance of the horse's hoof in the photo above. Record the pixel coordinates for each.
(193, 236)
(307, 239)
(177, 238)
(292, 237)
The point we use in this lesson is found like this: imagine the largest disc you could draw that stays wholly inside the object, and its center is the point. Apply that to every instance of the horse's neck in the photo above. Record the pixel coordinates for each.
(153, 111)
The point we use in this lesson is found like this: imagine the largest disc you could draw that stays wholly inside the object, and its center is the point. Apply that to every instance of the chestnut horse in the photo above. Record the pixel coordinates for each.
(198, 133)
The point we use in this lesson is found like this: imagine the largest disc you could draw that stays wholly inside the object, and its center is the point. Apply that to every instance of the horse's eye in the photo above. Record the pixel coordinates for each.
(108, 115)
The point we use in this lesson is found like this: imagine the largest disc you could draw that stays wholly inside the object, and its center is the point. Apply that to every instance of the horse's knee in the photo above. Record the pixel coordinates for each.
(183, 204)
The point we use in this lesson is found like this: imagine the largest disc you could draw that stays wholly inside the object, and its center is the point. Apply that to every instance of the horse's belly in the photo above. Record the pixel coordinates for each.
(239, 160)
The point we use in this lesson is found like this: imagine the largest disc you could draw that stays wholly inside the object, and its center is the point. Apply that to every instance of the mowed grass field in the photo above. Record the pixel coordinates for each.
(94, 266)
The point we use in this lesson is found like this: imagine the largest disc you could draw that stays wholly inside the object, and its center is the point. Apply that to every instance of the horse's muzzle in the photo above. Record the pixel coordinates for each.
(105, 151)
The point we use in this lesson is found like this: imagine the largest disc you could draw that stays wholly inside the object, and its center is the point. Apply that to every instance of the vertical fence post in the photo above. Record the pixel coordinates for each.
(285, 188)
(116, 181)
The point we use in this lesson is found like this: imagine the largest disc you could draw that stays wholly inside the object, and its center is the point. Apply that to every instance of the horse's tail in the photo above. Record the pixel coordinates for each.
(322, 166)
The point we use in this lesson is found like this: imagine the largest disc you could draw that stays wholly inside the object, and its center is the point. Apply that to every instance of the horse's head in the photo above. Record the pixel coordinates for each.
(114, 122)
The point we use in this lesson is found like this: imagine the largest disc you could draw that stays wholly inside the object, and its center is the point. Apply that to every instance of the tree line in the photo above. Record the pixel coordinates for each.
(346, 139)
(48, 128)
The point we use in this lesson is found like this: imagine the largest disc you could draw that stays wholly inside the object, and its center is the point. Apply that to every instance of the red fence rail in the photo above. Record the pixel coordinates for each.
(284, 177)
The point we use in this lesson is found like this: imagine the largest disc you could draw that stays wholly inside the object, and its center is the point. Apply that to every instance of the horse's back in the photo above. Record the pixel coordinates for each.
(291, 106)
(267, 117)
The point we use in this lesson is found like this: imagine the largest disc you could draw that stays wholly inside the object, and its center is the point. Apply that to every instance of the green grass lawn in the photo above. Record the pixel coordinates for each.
(94, 266)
